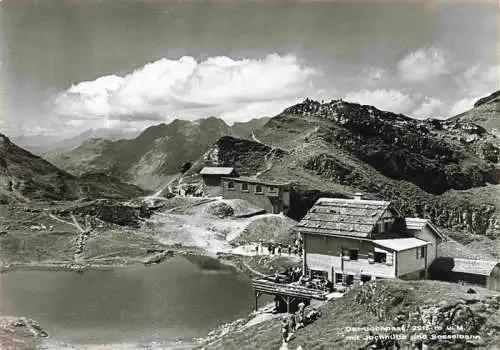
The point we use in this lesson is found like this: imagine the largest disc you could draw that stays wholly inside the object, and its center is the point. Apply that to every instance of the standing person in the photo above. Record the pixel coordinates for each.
(300, 315)
(276, 303)
(273, 249)
(289, 249)
(279, 250)
(292, 323)
(285, 329)
(269, 248)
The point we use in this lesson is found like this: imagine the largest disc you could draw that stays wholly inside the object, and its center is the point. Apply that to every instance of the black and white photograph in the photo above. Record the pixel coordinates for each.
(249, 174)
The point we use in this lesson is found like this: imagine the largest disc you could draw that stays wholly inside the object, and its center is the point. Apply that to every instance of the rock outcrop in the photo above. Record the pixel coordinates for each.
(118, 213)
(20, 333)
(457, 324)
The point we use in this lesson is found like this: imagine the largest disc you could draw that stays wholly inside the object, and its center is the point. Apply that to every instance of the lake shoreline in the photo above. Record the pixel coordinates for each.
(237, 262)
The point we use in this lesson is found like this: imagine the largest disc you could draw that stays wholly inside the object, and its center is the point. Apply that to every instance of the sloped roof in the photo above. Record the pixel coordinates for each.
(418, 224)
(208, 170)
(400, 244)
(415, 223)
(453, 249)
(471, 266)
(342, 217)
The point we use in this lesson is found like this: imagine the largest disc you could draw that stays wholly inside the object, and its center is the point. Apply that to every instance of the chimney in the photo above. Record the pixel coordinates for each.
(358, 196)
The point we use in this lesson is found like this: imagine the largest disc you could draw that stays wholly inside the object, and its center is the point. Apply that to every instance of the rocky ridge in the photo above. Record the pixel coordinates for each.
(446, 171)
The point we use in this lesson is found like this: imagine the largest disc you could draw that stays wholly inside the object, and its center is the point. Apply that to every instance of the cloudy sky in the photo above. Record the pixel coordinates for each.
(72, 65)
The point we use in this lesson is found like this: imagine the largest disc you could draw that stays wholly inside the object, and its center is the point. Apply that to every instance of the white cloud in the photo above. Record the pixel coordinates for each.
(414, 105)
(423, 64)
(461, 106)
(375, 74)
(217, 86)
(430, 107)
(475, 82)
(389, 100)
(479, 80)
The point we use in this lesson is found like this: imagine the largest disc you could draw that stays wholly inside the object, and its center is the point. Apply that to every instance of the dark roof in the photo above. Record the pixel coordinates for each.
(477, 267)
(343, 217)
(470, 266)
(453, 249)
(216, 171)
(254, 180)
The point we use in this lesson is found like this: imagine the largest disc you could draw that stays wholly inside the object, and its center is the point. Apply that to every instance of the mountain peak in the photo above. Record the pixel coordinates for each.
(4, 139)
(494, 97)
(5, 142)
(340, 111)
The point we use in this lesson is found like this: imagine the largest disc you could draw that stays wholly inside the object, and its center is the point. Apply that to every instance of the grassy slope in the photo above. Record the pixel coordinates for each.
(21, 245)
(355, 309)
(26, 177)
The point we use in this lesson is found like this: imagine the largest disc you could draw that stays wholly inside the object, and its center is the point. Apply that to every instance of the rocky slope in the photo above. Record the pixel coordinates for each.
(435, 314)
(443, 170)
(486, 113)
(20, 333)
(155, 155)
(25, 177)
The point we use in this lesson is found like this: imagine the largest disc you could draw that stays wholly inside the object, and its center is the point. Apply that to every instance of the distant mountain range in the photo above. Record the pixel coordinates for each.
(40, 144)
(25, 177)
(150, 159)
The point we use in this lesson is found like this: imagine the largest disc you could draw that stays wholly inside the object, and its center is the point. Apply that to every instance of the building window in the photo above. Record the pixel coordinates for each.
(380, 257)
(258, 189)
(230, 185)
(272, 189)
(353, 254)
(422, 252)
(244, 187)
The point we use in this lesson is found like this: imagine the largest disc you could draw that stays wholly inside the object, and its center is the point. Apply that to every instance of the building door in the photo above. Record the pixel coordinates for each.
(276, 204)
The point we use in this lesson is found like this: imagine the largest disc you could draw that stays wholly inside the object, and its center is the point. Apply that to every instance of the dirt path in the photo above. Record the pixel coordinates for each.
(260, 274)
(82, 235)
(255, 138)
(65, 221)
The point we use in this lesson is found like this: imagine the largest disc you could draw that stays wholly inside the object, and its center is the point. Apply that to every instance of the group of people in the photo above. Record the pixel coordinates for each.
(278, 248)
(293, 322)
(291, 274)
(316, 283)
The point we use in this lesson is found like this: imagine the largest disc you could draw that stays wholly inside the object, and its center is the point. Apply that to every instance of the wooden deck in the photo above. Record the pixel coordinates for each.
(289, 290)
